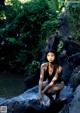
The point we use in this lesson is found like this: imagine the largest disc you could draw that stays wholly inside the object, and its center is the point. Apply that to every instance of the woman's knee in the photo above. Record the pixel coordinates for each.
(45, 83)
(62, 84)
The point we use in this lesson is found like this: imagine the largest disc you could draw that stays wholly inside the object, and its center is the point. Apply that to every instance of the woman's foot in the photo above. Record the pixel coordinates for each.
(57, 96)
(52, 101)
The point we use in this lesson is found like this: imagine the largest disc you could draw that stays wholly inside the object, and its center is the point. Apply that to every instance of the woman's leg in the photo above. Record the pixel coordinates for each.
(45, 83)
(55, 89)
(57, 96)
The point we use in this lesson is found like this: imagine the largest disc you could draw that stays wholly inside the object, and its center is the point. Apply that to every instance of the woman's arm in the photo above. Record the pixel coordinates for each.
(58, 71)
(41, 80)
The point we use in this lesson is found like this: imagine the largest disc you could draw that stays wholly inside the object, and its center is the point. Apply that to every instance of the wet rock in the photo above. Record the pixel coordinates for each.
(28, 103)
(71, 47)
(74, 60)
(66, 93)
(64, 24)
(31, 81)
(65, 109)
(74, 105)
(2, 100)
(66, 72)
(75, 78)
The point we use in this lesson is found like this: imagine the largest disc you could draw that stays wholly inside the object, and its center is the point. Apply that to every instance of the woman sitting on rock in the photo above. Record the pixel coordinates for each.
(50, 70)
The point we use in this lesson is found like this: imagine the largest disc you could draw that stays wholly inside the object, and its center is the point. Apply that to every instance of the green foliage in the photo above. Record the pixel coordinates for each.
(12, 11)
(24, 31)
(60, 46)
(12, 41)
(32, 67)
(48, 27)
(74, 9)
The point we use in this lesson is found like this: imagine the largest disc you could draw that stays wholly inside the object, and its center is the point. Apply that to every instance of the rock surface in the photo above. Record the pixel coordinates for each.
(75, 78)
(74, 105)
(28, 103)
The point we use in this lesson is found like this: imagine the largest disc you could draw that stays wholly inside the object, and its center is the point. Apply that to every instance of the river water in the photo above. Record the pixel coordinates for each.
(11, 84)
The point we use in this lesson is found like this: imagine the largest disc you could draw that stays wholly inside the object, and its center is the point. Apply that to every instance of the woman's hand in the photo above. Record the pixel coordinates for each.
(40, 97)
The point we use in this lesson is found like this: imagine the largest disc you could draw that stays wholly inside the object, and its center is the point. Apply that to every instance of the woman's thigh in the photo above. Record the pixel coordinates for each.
(56, 87)
(45, 83)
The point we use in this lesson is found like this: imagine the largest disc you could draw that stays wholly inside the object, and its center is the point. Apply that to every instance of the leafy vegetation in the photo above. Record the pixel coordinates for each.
(24, 28)
(24, 31)
(74, 10)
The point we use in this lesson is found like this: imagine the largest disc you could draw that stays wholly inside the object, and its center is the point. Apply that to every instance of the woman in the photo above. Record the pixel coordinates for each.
(52, 72)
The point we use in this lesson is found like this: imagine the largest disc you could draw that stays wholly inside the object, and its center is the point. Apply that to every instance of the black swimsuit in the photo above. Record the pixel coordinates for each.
(50, 77)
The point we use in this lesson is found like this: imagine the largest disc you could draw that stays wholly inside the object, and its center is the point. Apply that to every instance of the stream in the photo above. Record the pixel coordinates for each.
(11, 84)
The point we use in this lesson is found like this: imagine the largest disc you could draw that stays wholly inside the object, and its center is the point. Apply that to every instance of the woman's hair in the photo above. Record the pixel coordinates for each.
(55, 53)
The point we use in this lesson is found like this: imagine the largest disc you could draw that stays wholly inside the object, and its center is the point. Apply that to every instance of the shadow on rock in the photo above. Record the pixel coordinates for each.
(56, 106)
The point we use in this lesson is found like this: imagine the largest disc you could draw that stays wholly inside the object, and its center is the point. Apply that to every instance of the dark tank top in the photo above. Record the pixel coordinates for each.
(50, 77)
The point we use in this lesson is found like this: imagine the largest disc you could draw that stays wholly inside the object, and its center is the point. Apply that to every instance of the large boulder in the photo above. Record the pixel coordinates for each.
(70, 69)
(66, 72)
(75, 78)
(71, 47)
(25, 103)
(74, 105)
(2, 100)
(74, 59)
(28, 103)
(31, 81)
(64, 24)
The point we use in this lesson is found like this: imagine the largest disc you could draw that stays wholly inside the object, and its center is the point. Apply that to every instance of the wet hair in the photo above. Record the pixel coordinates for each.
(55, 53)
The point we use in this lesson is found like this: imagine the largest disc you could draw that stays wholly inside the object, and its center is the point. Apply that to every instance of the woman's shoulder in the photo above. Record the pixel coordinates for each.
(59, 68)
(44, 65)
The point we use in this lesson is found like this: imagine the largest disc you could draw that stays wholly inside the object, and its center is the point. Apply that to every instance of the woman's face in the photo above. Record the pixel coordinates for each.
(50, 57)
